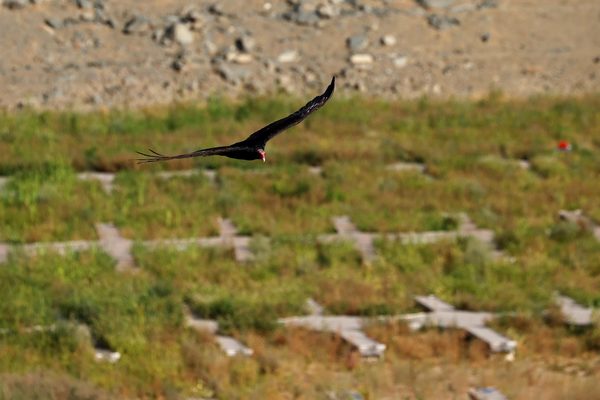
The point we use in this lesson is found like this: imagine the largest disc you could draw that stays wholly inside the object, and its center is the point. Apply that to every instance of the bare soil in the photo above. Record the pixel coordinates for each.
(58, 55)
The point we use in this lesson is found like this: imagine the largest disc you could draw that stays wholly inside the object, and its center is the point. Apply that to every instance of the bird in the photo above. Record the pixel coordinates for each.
(253, 147)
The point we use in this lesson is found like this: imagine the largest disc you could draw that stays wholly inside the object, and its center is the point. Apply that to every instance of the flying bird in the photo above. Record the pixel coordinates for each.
(253, 147)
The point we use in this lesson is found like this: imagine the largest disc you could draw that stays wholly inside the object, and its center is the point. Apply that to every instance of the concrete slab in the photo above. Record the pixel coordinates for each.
(4, 249)
(574, 313)
(61, 248)
(496, 342)
(205, 325)
(445, 316)
(182, 244)
(232, 347)
(415, 321)
(344, 226)
(226, 228)
(406, 166)
(362, 241)
(58, 247)
(240, 244)
(107, 355)
(458, 319)
(315, 170)
(348, 327)
(173, 174)
(433, 303)
(210, 174)
(106, 179)
(116, 246)
(227, 238)
(366, 346)
(365, 246)
(324, 323)
(485, 393)
(524, 164)
(229, 345)
(241, 249)
(314, 308)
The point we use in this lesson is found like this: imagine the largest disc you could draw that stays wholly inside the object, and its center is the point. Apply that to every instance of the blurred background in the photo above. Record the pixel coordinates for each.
(433, 232)
(96, 53)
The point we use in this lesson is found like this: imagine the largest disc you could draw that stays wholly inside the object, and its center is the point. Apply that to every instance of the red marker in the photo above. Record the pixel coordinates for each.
(564, 145)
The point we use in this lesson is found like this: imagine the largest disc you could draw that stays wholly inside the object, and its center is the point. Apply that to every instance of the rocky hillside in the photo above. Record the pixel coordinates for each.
(105, 53)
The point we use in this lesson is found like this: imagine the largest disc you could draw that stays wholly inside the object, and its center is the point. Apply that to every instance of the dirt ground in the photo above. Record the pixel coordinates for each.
(106, 53)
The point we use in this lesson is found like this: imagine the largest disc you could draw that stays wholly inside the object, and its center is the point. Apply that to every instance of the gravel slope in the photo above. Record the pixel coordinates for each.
(106, 53)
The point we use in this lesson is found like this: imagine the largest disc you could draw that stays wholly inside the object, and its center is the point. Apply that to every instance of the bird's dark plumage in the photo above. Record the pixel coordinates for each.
(251, 148)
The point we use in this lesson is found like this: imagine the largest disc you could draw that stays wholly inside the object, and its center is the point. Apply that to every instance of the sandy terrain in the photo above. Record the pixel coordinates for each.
(105, 53)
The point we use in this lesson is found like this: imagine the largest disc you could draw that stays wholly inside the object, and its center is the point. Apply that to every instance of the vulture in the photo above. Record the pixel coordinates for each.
(253, 147)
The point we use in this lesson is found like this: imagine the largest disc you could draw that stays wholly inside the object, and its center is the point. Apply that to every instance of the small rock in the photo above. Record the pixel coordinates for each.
(284, 81)
(158, 35)
(388, 40)
(87, 15)
(137, 24)
(95, 99)
(303, 14)
(487, 4)
(463, 8)
(357, 42)
(83, 3)
(327, 11)
(216, 9)
(361, 59)
(270, 66)
(287, 56)
(210, 46)
(485, 37)
(468, 65)
(238, 58)
(441, 22)
(359, 86)
(243, 58)
(171, 20)
(15, 4)
(101, 17)
(182, 34)
(180, 62)
(400, 61)
(354, 395)
(416, 12)
(435, 3)
(54, 23)
(307, 17)
(191, 15)
(53, 94)
(245, 43)
(233, 73)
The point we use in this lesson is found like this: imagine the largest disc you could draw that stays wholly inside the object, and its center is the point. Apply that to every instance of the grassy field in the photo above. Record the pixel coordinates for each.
(469, 150)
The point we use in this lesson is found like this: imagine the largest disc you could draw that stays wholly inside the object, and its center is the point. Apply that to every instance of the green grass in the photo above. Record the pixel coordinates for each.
(466, 146)
(50, 204)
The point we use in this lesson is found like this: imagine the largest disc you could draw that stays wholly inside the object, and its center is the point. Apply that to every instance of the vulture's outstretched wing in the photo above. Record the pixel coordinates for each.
(213, 151)
(263, 135)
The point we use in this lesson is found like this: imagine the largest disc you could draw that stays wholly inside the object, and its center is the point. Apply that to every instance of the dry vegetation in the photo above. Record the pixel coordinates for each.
(467, 148)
